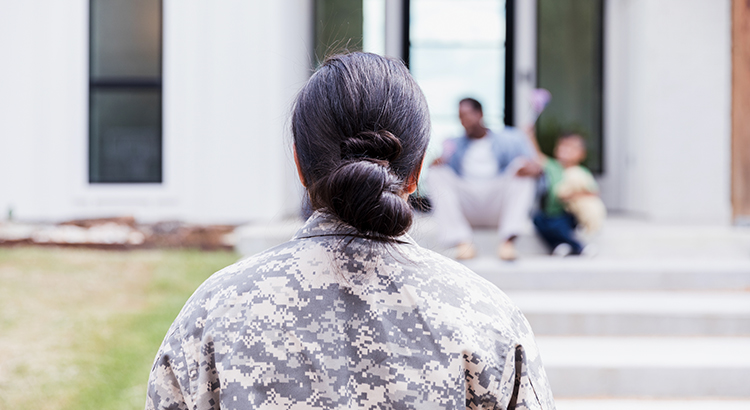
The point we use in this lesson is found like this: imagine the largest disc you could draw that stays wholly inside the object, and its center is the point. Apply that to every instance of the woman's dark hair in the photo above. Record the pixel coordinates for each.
(361, 128)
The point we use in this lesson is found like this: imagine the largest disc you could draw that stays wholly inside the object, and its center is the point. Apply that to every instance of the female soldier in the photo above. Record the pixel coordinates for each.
(351, 312)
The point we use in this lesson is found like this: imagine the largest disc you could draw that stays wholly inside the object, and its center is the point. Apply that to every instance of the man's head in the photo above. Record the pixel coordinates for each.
(470, 114)
(570, 149)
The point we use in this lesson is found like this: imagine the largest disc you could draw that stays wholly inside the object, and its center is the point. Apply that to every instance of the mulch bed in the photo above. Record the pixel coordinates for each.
(118, 233)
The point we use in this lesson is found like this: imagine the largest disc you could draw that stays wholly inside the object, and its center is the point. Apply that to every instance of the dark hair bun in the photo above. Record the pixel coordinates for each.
(370, 144)
(361, 128)
(366, 195)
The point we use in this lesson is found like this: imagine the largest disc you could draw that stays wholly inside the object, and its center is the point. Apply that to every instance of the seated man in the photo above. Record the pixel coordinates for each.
(482, 179)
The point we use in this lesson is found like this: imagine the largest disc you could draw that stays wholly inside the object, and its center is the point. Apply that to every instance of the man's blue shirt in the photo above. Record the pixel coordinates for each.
(507, 145)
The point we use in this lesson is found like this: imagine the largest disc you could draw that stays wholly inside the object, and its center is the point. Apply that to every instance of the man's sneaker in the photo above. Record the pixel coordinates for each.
(465, 250)
(507, 251)
(562, 250)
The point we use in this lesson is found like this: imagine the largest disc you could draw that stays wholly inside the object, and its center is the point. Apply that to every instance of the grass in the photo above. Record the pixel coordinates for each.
(80, 328)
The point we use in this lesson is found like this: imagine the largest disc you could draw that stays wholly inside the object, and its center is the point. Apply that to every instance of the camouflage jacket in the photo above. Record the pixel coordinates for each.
(331, 321)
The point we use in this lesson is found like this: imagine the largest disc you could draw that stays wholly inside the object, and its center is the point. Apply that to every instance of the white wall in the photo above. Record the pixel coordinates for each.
(231, 74)
(668, 89)
(43, 94)
(231, 70)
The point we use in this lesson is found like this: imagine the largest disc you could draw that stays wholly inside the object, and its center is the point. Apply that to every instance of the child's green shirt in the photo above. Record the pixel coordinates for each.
(554, 171)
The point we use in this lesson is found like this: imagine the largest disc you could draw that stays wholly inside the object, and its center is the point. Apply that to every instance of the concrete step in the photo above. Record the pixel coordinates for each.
(647, 367)
(257, 237)
(653, 313)
(424, 230)
(621, 237)
(613, 404)
(621, 265)
(615, 274)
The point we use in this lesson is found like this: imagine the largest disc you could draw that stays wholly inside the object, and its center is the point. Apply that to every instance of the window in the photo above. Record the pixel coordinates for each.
(454, 49)
(457, 50)
(125, 91)
(338, 26)
(352, 25)
(569, 65)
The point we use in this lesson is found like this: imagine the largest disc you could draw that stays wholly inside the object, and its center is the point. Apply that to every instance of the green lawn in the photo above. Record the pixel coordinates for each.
(79, 329)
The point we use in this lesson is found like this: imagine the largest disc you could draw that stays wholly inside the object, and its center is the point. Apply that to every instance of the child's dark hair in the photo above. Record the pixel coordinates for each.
(361, 128)
(572, 135)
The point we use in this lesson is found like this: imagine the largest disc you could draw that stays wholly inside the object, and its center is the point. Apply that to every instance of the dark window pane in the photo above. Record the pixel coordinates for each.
(569, 65)
(125, 141)
(125, 91)
(125, 38)
(338, 26)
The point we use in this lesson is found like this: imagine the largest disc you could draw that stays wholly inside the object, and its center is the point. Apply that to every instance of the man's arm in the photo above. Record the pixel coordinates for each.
(532, 168)
(449, 148)
(534, 164)
(531, 135)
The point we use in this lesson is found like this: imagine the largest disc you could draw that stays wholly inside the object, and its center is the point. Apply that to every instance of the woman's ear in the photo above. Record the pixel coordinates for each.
(299, 170)
(411, 183)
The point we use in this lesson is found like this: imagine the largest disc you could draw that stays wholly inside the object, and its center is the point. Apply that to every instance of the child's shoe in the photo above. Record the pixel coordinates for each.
(562, 250)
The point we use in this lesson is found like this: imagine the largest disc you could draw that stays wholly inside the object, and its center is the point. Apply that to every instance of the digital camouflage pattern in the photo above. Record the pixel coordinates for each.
(326, 321)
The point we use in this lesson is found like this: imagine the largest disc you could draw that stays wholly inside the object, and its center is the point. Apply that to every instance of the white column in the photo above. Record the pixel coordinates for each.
(614, 181)
(525, 60)
(394, 28)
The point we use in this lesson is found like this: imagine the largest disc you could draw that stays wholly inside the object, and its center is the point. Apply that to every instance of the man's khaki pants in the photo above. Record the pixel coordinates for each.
(458, 204)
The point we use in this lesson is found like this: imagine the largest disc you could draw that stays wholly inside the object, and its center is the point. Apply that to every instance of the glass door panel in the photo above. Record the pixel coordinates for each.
(457, 50)
(569, 65)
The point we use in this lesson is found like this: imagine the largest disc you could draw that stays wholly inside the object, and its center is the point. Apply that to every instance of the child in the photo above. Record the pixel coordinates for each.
(571, 198)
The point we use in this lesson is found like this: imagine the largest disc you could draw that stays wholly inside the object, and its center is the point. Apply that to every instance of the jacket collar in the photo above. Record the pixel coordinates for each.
(324, 224)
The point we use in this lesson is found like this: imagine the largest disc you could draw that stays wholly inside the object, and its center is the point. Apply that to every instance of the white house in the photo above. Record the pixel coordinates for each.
(178, 109)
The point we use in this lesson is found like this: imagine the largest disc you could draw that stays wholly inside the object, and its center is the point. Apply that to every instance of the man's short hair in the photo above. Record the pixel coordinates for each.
(475, 105)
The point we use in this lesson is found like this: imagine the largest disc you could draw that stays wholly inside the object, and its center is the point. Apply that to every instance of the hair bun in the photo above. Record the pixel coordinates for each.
(382, 145)
(359, 176)
(367, 196)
